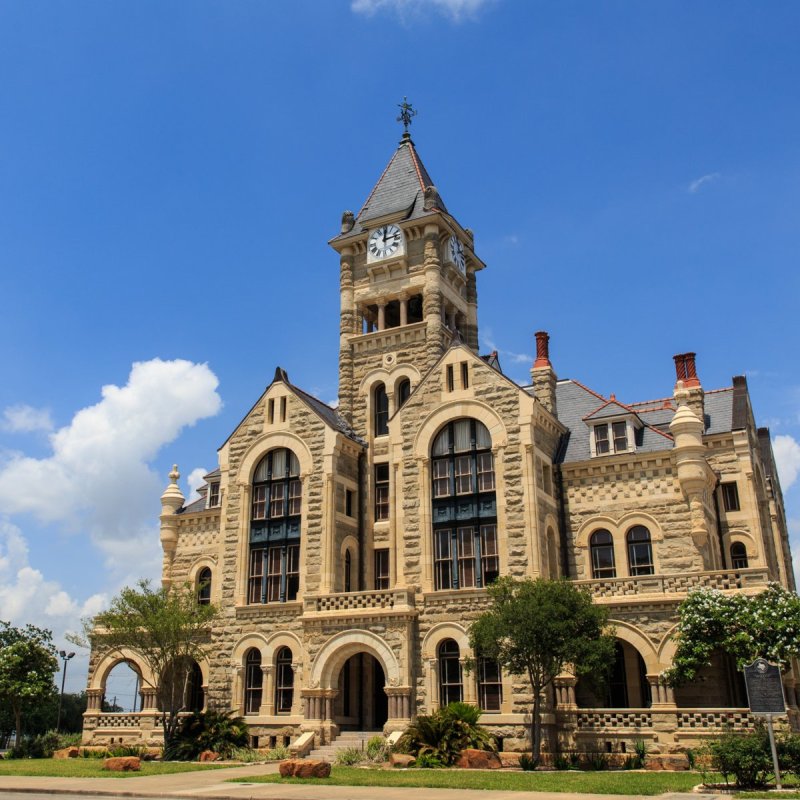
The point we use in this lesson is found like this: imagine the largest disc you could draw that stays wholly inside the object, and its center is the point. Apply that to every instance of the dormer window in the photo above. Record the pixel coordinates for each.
(611, 437)
(213, 495)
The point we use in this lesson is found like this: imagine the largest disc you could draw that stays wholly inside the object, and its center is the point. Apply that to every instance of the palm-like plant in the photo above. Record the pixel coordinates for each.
(212, 730)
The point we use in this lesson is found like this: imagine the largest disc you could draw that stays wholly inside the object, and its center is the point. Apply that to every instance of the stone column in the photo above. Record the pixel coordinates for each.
(381, 316)
(94, 698)
(432, 296)
(404, 310)
(433, 672)
(237, 698)
(470, 690)
(267, 690)
(297, 700)
(565, 692)
(347, 326)
(149, 699)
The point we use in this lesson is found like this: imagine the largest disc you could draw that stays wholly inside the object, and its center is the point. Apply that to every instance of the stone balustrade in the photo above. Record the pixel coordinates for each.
(690, 720)
(345, 602)
(680, 583)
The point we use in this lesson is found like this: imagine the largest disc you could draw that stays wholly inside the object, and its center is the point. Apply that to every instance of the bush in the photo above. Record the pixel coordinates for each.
(429, 761)
(219, 732)
(278, 753)
(745, 756)
(123, 750)
(247, 755)
(789, 753)
(528, 764)
(560, 761)
(349, 756)
(377, 750)
(596, 761)
(41, 746)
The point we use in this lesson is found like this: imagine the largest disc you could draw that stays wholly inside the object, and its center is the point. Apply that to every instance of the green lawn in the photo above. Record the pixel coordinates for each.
(591, 782)
(91, 768)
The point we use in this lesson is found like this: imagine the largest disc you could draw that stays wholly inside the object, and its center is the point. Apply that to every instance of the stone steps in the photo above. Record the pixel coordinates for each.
(344, 741)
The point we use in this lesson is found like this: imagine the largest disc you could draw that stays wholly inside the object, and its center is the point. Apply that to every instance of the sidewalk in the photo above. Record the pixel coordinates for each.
(213, 785)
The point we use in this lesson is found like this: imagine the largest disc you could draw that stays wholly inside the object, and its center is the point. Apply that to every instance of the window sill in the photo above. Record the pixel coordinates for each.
(454, 594)
(256, 609)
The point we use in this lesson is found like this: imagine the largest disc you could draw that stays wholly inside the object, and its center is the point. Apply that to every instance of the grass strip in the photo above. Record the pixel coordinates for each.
(642, 783)
(93, 768)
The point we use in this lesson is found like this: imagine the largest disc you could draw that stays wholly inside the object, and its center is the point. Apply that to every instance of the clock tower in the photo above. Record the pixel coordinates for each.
(408, 290)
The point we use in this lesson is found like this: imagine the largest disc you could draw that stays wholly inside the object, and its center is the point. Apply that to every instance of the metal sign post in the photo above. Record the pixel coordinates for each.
(765, 697)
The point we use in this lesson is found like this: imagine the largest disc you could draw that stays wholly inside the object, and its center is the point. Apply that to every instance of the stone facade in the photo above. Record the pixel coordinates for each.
(348, 576)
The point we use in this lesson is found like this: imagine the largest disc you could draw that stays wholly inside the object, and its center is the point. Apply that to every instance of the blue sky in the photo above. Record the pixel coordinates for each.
(170, 173)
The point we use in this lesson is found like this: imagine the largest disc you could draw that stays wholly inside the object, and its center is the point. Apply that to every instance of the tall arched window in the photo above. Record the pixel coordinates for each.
(381, 409)
(451, 689)
(252, 681)
(601, 545)
(348, 569)
(284, 681)
(403, 392)
(275, 529)
(640, 551)
(490, 684)
(464, 506)
(739, 556)
(204, 587)
(195, 699)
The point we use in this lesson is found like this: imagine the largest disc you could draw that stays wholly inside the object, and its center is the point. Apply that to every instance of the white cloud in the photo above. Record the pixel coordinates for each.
(488, 344)
(98, 476)
(26, 419)
(194, 481)
(457, 10)
(698, 183)
(787, 458)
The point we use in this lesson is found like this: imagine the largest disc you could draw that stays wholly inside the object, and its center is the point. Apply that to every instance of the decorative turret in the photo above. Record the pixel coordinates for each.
(689, 454)
(543, 375)
(687, 387)
(171, 501)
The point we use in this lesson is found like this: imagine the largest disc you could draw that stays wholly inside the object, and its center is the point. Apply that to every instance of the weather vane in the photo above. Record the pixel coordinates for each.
(406, 113)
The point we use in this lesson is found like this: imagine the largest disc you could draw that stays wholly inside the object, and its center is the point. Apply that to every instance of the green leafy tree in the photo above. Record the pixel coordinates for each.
(169, 630)
(27, 665)
(540, 628)
(766, 625)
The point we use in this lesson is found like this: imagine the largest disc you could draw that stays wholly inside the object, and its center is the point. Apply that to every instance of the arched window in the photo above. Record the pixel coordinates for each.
(381, 409)
(601, 545)
(275, 529)
(640, 551)
(464, 506)
(739, 556)
(451, 688)
(284, 681)
(194, 692)
(403, 392)
(348, 566)
(490, 684)
(204, 587)
(252, 681)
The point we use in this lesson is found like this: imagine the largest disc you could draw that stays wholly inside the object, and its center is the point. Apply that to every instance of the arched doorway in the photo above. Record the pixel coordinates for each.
(361, 703)
(627, 685)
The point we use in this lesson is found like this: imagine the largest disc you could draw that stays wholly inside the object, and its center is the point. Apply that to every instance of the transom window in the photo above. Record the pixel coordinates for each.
(284, 681)
(465, 537)
(739, 556)
(601, 546)
(451, 687)
(277, 499)
(611, 438)
(640, 551)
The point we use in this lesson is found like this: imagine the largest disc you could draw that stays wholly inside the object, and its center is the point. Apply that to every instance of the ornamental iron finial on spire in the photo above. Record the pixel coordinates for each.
(407, 111)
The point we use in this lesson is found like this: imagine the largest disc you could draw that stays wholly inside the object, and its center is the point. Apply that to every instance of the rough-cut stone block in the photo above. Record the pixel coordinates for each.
(401, 760)
(122, 764)
(478, 759)
(312, 769)
(286, 768)
(67, 752)
(208, 755)
(667, 763)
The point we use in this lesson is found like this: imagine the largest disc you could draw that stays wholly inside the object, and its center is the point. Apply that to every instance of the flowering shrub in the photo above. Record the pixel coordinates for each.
(766, 626)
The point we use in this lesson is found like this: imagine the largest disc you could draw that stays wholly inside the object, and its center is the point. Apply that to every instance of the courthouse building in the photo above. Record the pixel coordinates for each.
(348, 548)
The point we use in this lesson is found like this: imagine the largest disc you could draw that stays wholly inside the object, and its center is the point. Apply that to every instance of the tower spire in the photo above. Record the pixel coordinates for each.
(407, 112)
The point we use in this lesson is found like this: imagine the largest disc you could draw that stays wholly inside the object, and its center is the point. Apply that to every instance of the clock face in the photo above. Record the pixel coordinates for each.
(457, 254)
(385, 241)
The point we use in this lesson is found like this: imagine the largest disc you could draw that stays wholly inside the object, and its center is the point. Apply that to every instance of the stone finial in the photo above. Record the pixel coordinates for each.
(348, 221)
(172, 498)
(542, 350)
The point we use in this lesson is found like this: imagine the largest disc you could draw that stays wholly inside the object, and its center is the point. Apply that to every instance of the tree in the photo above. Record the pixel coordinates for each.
(766, 626)
(540, 628)
(27, 665)
(169, 630)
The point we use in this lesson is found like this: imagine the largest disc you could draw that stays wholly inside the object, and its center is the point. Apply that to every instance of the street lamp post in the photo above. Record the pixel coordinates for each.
(66, 657)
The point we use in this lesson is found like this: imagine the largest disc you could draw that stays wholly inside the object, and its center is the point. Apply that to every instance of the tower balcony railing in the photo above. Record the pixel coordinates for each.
(677, 583)
(380, 600)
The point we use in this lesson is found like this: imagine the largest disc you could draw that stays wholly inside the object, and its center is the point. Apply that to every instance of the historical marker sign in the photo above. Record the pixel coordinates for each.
(764, 688)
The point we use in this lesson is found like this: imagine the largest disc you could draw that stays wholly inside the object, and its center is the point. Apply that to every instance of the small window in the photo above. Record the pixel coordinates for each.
(490, 685)
(620, 431)
(382, 569)
(204, 587)
(283, 409)
(271, 411)
(449, 372)
(640, 551)
(381, 491)
(464, 375)
(730, 496)
(381, 410)
(601, 443)
(611, 438)
(213, 495)
(348, 570)
(348, 502)
(739, 556)
(403, 392)
(601, 546)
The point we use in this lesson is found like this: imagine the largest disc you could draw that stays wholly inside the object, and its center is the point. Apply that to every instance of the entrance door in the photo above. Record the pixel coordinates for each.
(362, 704)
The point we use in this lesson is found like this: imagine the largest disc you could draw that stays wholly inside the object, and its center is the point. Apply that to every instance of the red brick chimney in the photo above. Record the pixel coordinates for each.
(688, 390)
(543, 375)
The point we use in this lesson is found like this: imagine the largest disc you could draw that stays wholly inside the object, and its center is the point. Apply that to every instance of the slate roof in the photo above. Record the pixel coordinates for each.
(400, 188)
(197, 505)
(611, 408)
(328, 414)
